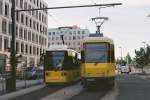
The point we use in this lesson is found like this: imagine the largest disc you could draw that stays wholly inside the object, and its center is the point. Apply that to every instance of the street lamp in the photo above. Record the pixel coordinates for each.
(121, 54)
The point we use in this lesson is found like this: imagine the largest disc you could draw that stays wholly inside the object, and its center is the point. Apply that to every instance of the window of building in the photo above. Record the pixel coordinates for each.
(1, 42)
(49, 33)
(34, 51)
(34, 25)
(25, 5)
(16, 30)
(53, 38)
(10, 28)
(5, 44)
(37, 51)
(17, 47)
(39, 39)
(70, 33)
(1, 8)
(78, 32)
(29, 7)
(22, 18)
(83, 32)
(21, 32)
(17, 3)
(79, 37)
(22, 47)
(21, 3)
(25, 34)
(26, 48)
(36, 38)
(74, 32)
(33, 37)
(29, 35)
(37, 14)
(30, 49)
(53, 33)
(4, 26)
(57, 38)
(30, 23)
(26, 20)
(37, 26)
(17, 16)
(69, 37)
(7, 10)
(40, 16)
(74, 38)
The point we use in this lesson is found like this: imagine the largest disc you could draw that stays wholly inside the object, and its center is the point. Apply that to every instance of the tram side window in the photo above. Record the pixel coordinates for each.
(77, 61)
(48, 61)
(68, 62)
(112, 54)
(109, 53)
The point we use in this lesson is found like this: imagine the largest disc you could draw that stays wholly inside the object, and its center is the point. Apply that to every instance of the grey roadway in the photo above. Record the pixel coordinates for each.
(128, 87)
(133, 87)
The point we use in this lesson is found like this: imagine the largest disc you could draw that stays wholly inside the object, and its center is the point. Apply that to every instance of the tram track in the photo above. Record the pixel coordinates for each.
(92, 93)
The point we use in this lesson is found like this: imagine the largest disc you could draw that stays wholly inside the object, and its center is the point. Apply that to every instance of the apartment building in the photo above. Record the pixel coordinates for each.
(73, 36)
(31, 30)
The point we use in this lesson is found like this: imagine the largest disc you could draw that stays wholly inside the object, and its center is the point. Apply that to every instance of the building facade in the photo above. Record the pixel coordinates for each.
(72, 35)
(31, 29)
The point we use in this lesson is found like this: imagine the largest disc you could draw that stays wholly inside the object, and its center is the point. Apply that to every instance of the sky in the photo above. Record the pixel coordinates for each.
(128, 24)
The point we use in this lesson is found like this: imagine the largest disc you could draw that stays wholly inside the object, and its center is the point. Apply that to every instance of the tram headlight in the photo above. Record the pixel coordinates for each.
(47, 74)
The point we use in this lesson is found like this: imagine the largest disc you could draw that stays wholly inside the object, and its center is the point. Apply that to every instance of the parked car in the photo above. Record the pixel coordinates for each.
(125, 69)
(34, 73)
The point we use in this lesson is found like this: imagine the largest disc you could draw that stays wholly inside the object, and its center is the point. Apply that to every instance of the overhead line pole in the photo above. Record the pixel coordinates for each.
(13, 51)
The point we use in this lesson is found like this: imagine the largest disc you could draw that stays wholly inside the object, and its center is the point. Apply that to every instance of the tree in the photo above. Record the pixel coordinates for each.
(147, 54)
(140, 58)
(128, 58)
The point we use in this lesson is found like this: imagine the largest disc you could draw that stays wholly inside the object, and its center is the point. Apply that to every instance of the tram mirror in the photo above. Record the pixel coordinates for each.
(82, 56)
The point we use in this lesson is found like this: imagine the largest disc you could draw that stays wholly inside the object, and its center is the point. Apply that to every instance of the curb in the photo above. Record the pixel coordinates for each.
(21, 92)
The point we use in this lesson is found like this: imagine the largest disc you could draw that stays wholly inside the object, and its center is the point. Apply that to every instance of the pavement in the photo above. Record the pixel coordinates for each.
(20, 84)
(21, 92)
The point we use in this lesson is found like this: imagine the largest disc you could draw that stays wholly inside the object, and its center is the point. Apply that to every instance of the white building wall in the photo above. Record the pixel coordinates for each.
(72, 36)
(23, 37)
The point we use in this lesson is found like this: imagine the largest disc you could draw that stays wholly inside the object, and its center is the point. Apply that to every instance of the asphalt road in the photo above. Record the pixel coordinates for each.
(132, 87)
(37, 95)
(92, 93)
(128, 87)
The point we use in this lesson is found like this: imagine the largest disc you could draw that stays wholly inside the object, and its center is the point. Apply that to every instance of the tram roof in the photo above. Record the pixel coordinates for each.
(59, 48)
(97, 39)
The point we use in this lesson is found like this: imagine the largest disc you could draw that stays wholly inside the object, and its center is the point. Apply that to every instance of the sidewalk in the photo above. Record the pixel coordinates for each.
(19, 84)
(21, 92)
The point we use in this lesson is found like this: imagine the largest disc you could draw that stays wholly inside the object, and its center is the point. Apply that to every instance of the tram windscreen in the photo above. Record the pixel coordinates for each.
(95, 53)
(55, 59)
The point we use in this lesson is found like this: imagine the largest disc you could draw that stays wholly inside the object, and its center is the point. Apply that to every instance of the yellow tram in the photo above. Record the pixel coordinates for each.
(97, 61)
(61, 65)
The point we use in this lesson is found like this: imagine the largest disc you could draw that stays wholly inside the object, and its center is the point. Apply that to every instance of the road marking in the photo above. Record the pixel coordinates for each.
(65, 93)
(111, 95)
